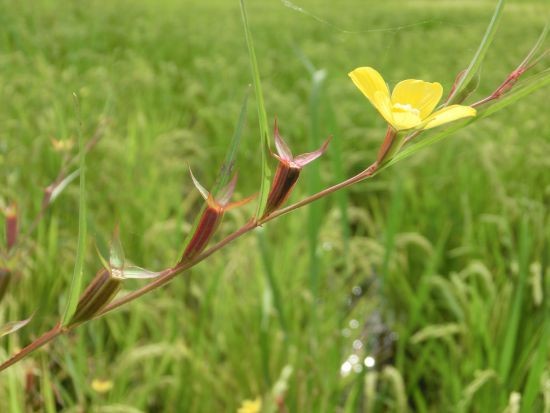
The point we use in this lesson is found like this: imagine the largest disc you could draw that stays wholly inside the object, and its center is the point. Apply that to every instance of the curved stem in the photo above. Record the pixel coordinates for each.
(35, 345)
(168, 274)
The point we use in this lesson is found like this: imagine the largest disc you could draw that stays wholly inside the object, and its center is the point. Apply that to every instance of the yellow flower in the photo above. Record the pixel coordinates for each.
(411, 103)
(251, 406)
(102, 386)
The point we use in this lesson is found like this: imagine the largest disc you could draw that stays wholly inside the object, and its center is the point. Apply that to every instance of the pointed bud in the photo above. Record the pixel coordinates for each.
(391, 144)
(527, 63)
(211, 217)
(12, 230)
(465, 91)
(288, 171)
(99, 293)
(283, 182)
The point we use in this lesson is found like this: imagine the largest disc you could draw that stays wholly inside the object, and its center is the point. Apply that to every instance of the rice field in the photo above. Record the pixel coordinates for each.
(423, 289)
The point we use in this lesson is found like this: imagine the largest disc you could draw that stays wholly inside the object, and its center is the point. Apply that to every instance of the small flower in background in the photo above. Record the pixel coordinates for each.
(411, 102)
(101, 386)
(288, 171)
(62, 145)
(251, 406)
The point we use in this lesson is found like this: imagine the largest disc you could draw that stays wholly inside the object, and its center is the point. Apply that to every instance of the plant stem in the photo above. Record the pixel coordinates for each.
(35, 345)
(168, 274)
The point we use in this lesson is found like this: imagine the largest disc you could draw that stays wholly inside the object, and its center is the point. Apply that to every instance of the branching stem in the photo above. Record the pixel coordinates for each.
(168, 274)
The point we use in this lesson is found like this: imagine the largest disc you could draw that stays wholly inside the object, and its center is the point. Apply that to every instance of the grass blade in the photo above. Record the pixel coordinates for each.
(13, 326)
(76, 283)
(479, 56)
(271, 280)
(60, 187)
(262, 116)
(229, 162)
(511, 336)
(536, 372)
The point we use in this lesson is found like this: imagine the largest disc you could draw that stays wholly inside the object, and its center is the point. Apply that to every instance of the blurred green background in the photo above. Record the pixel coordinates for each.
(424, 289)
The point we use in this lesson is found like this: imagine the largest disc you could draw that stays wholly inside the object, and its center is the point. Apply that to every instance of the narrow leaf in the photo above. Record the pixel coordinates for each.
(536, 47)
(13, 326)
(228, 165)
(479, 56)
(525, 88)
(133, 271)
(203, 191)
(423, 143)
(262, 116)
(116, 253)
(510, 341)
(271, 282)
(60, 187)
(102, 258)
(536, 371)
(76, 283)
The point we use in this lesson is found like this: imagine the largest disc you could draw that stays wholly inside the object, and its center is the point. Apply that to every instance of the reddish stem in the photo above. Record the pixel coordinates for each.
(168, 274)
(35, 345)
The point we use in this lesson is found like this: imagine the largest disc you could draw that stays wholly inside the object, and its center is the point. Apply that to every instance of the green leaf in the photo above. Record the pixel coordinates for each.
(536, 47)
(133, 271)
(514, 317)
(60, 187)
(423, 143)
(116, 253)
(271, 282)
(262, 116)
(479, 56)
(47, 386)
(468, 89)
(536, 371)
(13, 326)
(78, 272)
(227, 167)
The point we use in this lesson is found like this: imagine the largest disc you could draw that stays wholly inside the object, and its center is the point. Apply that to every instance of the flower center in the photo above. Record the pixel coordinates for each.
(405, 107)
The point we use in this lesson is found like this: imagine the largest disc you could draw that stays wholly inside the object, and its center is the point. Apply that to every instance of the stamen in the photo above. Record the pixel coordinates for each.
(406, 107)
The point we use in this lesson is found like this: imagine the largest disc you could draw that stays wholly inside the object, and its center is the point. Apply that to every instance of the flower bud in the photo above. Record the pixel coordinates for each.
(211, 217)
(99, 293)
(11, 227)
(206, 228)
(284, 180)
(288, 171)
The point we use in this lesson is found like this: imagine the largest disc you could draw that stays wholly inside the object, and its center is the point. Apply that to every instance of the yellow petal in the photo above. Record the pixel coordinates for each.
(448, 114)
(369, 81)
(382, 103)
(421, 95)
(102, 386)
(251, 406)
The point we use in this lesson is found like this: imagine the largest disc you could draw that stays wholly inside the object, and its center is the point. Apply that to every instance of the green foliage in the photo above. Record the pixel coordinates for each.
(420, 267)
